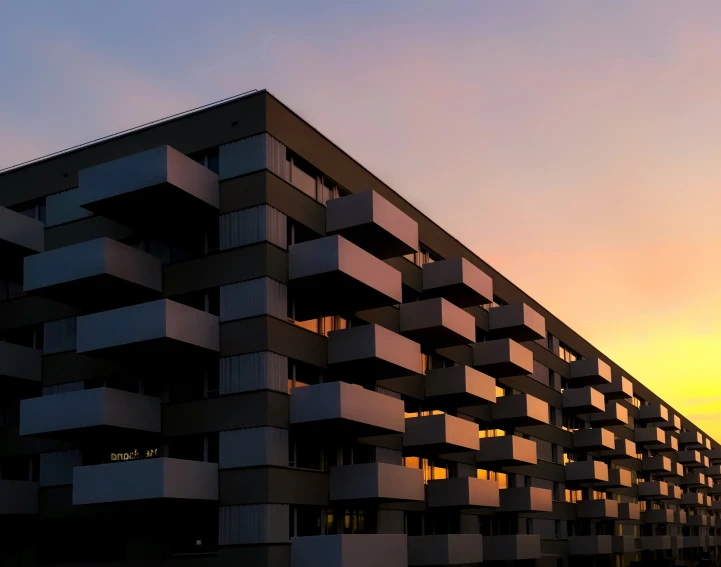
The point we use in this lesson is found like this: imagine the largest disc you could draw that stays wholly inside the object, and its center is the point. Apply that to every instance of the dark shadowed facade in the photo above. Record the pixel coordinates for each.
(225, 342)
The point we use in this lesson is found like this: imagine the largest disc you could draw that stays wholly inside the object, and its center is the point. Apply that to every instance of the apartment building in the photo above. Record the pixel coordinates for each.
(225, 342)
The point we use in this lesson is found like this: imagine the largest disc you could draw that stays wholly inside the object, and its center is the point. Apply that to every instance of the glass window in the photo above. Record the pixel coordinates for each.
(302, 177)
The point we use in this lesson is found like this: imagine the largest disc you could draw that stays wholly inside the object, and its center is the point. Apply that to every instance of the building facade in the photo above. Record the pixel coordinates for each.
(225, 342)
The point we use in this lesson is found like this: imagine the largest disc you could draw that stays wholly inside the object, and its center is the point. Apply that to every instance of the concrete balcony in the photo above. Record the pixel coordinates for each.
(660, 516)
(679, 517)
(691, 440)
(655, 543)
(693, 480)
(624, 544)
(614, 414)
(519, 410)
(502, 358)
(593, 439)
(652, 413)
(516, 321)
(90, 413)
(466, 492)
(693, 499)
(590, 545)
(447, 549)
(95, 273)
(695, 541)
(511, 547)
(332, 275)
(715, 506)
(676, 471)
(459, 386)
(691, 459)
(373, 223)
(18, 498)
(586, 472)
(459, 281)
(590, 372)
(715, 489)
(145, 479)
(657, 465)
(583, 400)
(20, 237)
(697, 520)
(714, 472)
(376, 482)
(526, 499)
(509, 451)
(674, 492)
(431, 435)
(437, 323)
(20, 366)
(159, 191)
(617, 478)
(620, 388)
(653, 490)
(624, 449)
(369, 353)
(349, 550)
(714, 456)
(673, 423)
(629, 511)
(670, 446)
(339, 409)
(158, 328)
(597, 509)
(650, 437)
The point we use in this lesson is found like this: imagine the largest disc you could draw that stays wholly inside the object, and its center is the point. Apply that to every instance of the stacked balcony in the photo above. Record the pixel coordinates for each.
(445, 549)
(617, 478)
(614, 414)
(660, 516)
(502, 358)
(526, 499)
(693, 499)
(674, 492)
(650, 437)
(99, 412)
(593, 439)
(693, 480)
(459, 281)
(349, 550)
(680, 517)
(339, 409)
(432, 435)
(670, 446)
(629, 511)
(158, 328)
(586, 472)
(159, 191)
(96, 273)
(20, 237)
(590, 545)
(463, 493)
(673, 423)
(516, 321)
(623, 449)
(145, 479)
(333, 275)
(714, 456)
(18, 498)
(495, 453)
(690, 459)
(590, 372)
(437, 323)
(376, 482)
(714, 472)
(583, 400)
(519, 410)
(624, 544)
(653, 490)
(652, 413)
(511, 547)
(20, 368)
(697, 520)
(658, 465)
(371, 222)
(602, 509)
(459, 386)
(655, 543)
(691, 440)
(369, 353)
(619, 388)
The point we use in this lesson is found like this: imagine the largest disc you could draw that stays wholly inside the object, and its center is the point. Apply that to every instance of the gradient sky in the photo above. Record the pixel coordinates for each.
(574, 145)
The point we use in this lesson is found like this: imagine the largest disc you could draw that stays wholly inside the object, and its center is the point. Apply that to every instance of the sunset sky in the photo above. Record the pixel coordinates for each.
(574, 145)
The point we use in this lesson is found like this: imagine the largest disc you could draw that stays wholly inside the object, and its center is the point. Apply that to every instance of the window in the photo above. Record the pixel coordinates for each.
(209, 158)
(34, 209)
(424, 256)
(567, 353)
(488, 433)
(500, 478)
(431, 470)
(637, 402)
(573, 496)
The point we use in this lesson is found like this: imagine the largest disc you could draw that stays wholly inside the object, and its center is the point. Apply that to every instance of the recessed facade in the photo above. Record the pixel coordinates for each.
(225, 342)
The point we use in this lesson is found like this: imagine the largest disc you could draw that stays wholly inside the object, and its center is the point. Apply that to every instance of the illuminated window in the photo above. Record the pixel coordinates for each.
(423, 256)
(573, 496)
(567, 353)
(489, 433)
(500, 478)
(500, 392)
(637, 402)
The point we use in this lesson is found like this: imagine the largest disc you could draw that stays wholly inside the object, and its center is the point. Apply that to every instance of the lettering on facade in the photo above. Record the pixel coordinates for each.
(134, 455)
